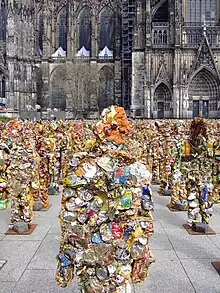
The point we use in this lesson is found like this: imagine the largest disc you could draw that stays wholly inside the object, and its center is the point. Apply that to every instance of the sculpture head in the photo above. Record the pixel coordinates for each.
(114, 125)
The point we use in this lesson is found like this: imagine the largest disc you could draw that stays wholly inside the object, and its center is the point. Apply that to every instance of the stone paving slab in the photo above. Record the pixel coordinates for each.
(202, 275)
(215, 239)
(18, 254)
(7, 287)
(192, 246)
(4, 221)
(46, 254)
(215, 222)
(41, 281)
(160, 241)
(166, 276)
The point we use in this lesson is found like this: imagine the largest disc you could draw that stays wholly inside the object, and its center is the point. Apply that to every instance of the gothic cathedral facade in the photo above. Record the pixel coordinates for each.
(157, 58)
(175, 66)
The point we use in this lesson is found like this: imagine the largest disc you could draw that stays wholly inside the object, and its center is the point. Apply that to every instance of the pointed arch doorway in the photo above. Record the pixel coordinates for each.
(203, 94)
(162, 101)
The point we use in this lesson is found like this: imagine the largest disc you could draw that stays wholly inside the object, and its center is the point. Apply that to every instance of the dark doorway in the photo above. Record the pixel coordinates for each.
(160, 106)
(195, 109)
(205, 109)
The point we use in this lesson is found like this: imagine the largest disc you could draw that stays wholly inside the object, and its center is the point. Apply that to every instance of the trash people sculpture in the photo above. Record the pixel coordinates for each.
(22, 172)
(106, 215)
(197, 167)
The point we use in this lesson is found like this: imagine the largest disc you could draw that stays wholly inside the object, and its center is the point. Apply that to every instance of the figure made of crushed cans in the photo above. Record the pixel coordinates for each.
(4, 175)
(106, 215)
(197, 168)
(22, 172)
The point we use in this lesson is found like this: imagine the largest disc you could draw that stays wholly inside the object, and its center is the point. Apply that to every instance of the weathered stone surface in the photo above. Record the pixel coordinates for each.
(20, 227)
(201, 227)
(38, 205)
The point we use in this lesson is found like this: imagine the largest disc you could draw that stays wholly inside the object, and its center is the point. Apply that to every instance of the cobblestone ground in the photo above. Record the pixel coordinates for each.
(183, 262)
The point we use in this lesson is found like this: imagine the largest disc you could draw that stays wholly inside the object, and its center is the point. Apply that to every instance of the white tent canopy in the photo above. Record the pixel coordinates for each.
(59, 53)
(106, 52)
(83, 53)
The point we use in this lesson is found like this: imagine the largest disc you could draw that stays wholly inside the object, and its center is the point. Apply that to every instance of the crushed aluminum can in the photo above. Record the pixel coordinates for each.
(106, 233)
(138, 250)
(96, 238)
(85, 195)
(122, 254)
(102, 273)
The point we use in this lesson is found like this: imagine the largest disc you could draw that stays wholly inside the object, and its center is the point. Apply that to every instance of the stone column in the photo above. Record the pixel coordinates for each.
(70, 34)
(47, 33)
(117, 81)
(177, 59)
(94, 35)
(11, 54)
(147, 86)
(176, 101)
(137, 91)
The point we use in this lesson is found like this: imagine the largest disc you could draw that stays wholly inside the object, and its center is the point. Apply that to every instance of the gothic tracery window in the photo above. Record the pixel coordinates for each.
(40, 32)
(62, 20)
(200, 11)
(162, 13)
(3, 20)
(161, 25)
(165, 37)
(85, 28)
(106, 28)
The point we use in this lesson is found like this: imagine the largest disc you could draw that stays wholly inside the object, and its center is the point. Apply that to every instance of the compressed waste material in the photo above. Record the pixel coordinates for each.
(106, 215)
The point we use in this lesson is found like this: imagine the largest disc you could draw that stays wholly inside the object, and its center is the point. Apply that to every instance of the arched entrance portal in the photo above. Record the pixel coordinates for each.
(162, 101)
(203, 94)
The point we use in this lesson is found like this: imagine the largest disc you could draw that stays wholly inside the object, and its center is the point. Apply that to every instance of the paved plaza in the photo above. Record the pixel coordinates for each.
(183, 261)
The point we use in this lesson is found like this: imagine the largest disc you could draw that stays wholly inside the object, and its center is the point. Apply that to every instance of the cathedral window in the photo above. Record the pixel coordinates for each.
(155, 37)
(3, 22)
(160, 37)
(212, 37)
(41, 33)
(160, 25)
(200, 11)
(106, 28)
(162, 13)
(85, 29)
(63, 28)
(165, 37)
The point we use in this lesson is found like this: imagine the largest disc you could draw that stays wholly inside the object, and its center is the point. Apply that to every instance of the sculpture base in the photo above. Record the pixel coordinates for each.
(193, 232)
(216, 265)
(175, 210)
(46, 209)
(30, 231)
